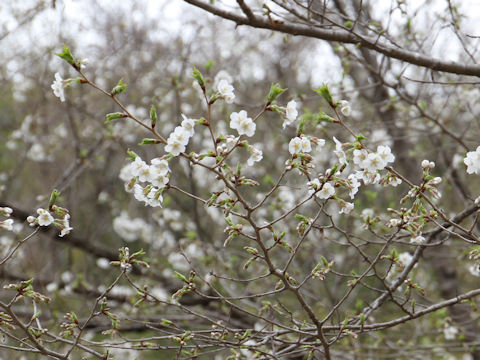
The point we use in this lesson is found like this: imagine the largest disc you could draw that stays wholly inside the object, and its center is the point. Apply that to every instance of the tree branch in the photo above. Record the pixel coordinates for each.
(345, 37)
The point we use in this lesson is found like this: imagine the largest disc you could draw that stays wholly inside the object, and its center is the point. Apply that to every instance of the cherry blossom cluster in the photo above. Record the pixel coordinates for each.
(157, 175)
(242, 123)
(8, 223)
(178, 140)
(45, 218)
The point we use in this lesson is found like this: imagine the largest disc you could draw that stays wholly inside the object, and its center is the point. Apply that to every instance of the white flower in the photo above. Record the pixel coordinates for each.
(67, 276)
(394, 222)
(474, 270)
(137, 166)
(313, 185)
(226, 90)
(417, 240)
(6, 211)
(58, 87)
(180, 135)
(188, 125)
(143, 172)
(374, 162)
(367, 214)
(44, 217)
(154, 198)
(450, 332)
(385, 153)
(295, 145)
(159, 167)
(299, 144)
(242, 123)
(472, 160)
(345, 108)
(342, 157)
(7, 224)
(222, 75)
(138, 192)
(291, 113)
(65, 226)
(306, 146)
(393, 181)
(175, 148)
(359, 156)
(347, 207)
(255, 155)
(353, 184)
(405, 259)
(326, 192)
(103, 263)
(31, 220)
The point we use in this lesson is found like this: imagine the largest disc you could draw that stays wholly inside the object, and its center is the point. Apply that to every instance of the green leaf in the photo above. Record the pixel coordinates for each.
(53, 198)
(114, 116)
(119, 88)
(153, 116)
(67, 56)
(325, 93)
(132, 155)
(180, 277)
(209, 65)
(147, 141)
(275, 91)
(197, 75)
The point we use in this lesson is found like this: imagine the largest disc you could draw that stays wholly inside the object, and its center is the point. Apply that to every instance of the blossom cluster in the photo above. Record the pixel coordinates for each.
(178, 140)
(156, 175)
(242, 123)
(8, 223)
(223, 84)
(45, 218)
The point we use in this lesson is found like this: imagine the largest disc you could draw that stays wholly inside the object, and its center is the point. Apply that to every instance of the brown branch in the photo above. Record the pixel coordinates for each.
(346, 37)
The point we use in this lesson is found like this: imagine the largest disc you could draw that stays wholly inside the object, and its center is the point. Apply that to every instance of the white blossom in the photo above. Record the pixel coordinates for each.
(58, 87)
(359, 156)
(291, 113)
(326, 192)
(44, 217)
(345, 108)
(6, 211)
(65, 226)
(474, 270)
(385, 153)
(242, 123)
(256, 155)
(472, 160)
(299, 144)
(7, 224)
(103, 263)
(374, 162)
(405, 259)
(450, 332)
(417, 240)
(226, 91)
(346, 207)
(188, 125)
(342, 157)
(353, 184)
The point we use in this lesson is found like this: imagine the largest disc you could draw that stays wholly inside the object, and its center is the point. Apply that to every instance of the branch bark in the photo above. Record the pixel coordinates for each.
(346, 37)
